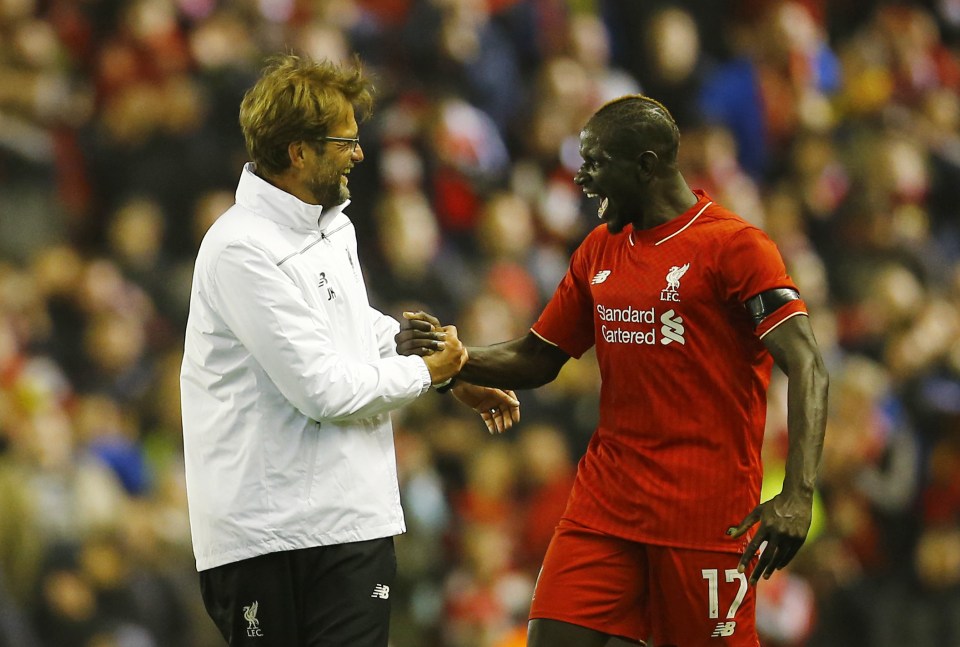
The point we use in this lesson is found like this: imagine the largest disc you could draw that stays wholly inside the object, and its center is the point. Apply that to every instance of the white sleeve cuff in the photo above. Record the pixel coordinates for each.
(425, 380)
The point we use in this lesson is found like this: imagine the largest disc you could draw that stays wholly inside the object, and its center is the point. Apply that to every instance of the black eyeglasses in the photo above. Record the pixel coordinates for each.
(352, 141)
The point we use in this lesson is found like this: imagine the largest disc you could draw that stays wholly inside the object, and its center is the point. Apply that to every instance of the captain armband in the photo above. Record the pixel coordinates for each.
(766, 303)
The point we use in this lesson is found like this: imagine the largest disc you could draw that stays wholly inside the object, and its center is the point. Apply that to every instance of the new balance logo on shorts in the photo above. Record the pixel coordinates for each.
(381, 591)
(724, 629)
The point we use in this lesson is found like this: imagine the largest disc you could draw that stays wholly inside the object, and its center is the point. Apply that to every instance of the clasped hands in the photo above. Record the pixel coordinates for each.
(440, 347)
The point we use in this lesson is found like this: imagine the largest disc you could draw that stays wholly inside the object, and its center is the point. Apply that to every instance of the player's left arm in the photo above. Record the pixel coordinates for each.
(785, 519)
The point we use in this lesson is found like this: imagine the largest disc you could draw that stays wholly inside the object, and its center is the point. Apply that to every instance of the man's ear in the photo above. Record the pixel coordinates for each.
(647, 164)
(297, 153)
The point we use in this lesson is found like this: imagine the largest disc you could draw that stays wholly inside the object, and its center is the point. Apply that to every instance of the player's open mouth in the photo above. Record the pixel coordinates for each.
(602, 209)
(604, 203)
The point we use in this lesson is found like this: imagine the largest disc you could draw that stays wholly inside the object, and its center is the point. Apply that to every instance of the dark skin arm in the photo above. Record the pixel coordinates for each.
(523, 363)
(784, 520)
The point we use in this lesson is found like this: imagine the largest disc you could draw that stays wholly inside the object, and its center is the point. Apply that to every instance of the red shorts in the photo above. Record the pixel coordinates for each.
(675, 596)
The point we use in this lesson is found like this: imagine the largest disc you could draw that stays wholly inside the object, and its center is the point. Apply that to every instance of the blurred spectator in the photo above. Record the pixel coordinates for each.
(545, 486)
(777, 83)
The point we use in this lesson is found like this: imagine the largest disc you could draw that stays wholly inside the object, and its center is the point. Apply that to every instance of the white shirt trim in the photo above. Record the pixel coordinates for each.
(789, 316)
(663, 240)
(543, 338)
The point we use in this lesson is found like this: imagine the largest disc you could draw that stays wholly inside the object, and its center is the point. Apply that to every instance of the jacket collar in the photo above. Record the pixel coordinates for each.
(264, 199)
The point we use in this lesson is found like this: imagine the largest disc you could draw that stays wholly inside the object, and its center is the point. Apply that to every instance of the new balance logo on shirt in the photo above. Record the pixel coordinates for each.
(600, 277)
(381, 591)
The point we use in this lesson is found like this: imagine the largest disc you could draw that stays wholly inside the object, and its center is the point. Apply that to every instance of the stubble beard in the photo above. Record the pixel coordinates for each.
(330, 192)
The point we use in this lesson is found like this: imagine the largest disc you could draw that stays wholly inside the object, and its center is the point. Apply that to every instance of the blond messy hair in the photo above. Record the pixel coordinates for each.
(294, 99)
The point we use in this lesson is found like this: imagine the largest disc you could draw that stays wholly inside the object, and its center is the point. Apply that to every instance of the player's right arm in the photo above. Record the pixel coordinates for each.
(523, 363)
(785, 519)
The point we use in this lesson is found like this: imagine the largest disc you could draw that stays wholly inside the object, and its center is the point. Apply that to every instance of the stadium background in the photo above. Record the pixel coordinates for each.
(834, 125)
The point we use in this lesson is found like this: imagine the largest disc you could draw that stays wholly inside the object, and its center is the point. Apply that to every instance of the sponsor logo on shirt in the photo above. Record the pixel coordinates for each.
(381, 591)
(672, 291)
(671, 330)
(600, 277)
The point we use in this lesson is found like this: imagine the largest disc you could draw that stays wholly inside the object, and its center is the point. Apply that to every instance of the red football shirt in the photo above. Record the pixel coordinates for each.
(675, 459)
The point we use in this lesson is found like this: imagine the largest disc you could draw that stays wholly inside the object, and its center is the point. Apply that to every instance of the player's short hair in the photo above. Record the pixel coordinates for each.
(297, 98)
(634, 123)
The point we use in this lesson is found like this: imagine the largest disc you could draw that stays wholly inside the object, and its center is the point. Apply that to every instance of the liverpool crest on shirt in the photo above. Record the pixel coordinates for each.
(672, 291)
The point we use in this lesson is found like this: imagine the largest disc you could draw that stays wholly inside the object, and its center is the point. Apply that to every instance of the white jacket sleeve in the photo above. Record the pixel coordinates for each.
(385, 328)
(291, 340)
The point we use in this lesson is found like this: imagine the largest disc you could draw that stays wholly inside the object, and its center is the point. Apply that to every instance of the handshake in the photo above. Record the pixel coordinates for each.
(441, 349)
(445, 355)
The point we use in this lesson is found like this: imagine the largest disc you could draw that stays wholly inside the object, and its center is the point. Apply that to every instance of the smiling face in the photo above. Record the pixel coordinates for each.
(616, 180)
(328, 163)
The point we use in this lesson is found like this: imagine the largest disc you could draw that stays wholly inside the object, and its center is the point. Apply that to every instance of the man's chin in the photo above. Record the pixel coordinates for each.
(613, 221)
(341, 193)
(615, 226)
(335, 198)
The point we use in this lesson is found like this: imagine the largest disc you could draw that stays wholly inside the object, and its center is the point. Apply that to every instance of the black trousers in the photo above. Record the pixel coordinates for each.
(329, 596)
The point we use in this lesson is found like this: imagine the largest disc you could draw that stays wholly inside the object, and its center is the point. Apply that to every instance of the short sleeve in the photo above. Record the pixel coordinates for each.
(567, 320)
(751, 263)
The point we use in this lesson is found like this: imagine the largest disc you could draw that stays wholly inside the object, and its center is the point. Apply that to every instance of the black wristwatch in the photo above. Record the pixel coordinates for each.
(443, 387)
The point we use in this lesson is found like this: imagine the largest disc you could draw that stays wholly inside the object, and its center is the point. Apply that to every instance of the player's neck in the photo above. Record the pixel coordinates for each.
(672, 200)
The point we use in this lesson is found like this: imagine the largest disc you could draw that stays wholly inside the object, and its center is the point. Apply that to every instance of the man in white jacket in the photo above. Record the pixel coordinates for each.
(288, 379)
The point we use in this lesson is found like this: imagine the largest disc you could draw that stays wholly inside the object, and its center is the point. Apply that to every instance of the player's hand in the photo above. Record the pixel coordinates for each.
(499, 409)
(446, 362)
(420, 334)
(784, 523)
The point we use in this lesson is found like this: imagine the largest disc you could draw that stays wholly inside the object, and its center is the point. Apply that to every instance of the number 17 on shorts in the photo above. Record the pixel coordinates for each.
(727, 626)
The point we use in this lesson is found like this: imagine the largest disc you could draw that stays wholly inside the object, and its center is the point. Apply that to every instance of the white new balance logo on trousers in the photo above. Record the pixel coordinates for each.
(381, 591)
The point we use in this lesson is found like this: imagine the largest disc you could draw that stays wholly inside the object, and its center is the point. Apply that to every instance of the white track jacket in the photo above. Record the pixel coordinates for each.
(287, 382)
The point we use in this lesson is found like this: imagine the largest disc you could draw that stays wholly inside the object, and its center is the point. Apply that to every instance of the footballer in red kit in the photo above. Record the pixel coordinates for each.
(689, 307)
(675, 459)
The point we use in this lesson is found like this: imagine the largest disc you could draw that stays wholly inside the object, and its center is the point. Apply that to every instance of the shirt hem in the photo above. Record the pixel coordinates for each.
(715, 547)
(279, 545)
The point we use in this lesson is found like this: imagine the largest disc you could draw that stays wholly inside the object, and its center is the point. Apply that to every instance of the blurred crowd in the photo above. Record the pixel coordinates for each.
(834, 125)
